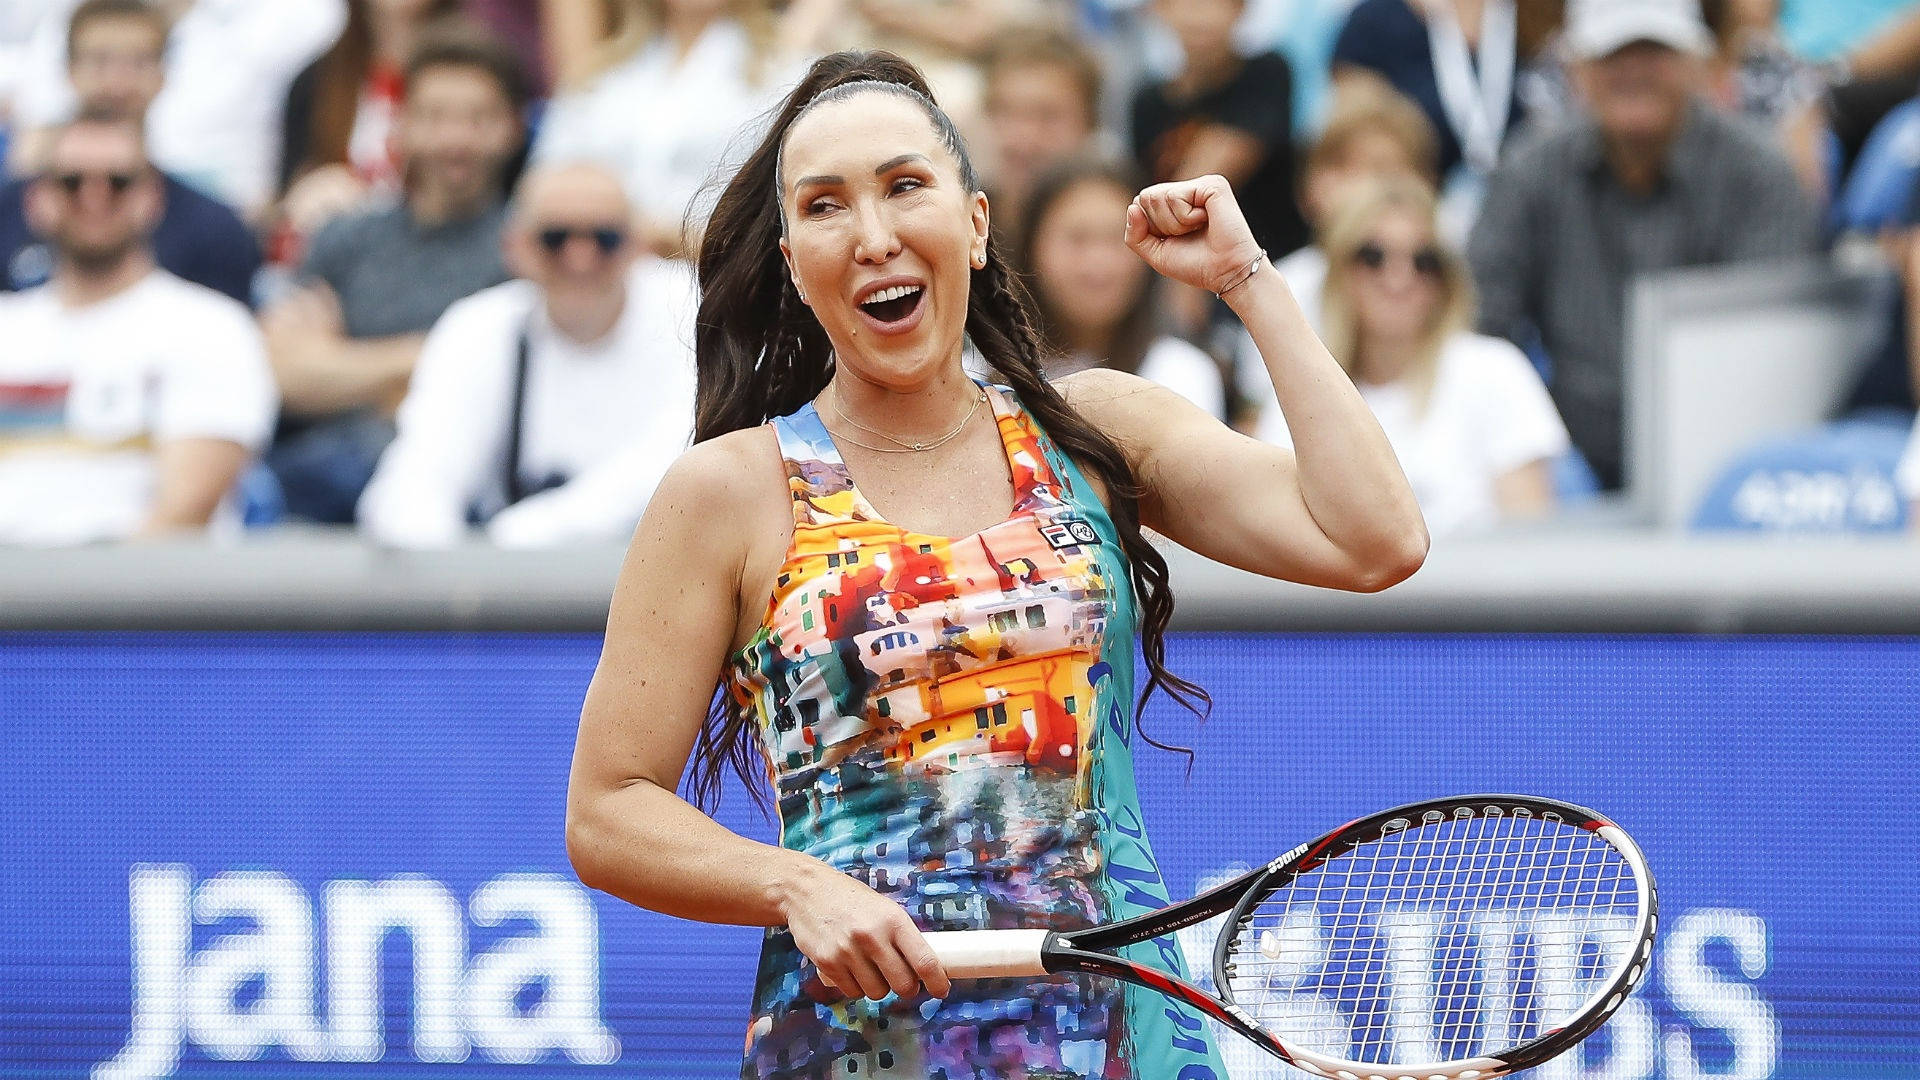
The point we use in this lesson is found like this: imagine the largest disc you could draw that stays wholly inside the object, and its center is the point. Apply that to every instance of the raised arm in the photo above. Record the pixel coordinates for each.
(1336, 511)
(697, 562)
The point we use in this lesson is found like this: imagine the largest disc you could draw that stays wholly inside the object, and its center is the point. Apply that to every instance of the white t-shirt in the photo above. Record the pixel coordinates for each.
(610, 415)
(667, 126)
(1187, 371)
(1489, 414)
(1171, 362)
(87, 394)
(217, 123)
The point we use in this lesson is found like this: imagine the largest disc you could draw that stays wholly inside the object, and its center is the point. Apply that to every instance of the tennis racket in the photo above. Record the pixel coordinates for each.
(1454, 939)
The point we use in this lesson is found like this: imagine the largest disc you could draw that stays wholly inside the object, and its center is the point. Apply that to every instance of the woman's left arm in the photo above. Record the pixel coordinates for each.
(1336, 511)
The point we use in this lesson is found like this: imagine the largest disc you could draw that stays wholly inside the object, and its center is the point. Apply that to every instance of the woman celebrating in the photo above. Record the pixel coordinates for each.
(919, 595)
(1466, 413)
(1096, 301)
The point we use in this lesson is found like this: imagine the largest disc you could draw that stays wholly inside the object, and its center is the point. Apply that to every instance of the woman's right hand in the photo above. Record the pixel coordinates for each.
(862, 943)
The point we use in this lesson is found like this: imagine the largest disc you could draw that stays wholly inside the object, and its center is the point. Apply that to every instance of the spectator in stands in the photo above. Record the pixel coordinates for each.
(129, 399)
(945, 39)
(527, 26)
(677, 83)
(1457, 59)
(228, 66)
(337, 147)
(1303, 31)
(1867, 53)
(1888, 380)
(116, 50)
(1651, 178)
(1042, 108)
(1096, 300)
(1872, 37)
(1223, 113)
(1467, 415)
(344, 344)
(1753, 72)
(547, 407)
(1374, 131)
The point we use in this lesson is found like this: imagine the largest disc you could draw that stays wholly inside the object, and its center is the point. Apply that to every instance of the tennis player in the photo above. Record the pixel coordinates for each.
(919, 594)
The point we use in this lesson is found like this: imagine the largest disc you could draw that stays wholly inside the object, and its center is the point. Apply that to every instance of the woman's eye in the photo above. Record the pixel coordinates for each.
(906, 183)
(819, 206)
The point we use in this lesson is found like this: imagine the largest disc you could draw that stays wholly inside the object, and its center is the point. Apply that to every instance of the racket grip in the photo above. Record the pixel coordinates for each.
(989, 954)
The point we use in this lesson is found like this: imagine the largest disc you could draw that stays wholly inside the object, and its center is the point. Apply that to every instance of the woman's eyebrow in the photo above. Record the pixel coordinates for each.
(881, 169)
(893, 163)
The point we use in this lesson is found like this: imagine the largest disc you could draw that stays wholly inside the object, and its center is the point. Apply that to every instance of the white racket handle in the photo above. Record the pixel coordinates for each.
(989, 954)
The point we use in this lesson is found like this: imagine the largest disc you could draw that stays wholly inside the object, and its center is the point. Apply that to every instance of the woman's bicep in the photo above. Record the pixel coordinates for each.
(669, 628)
(1209, 488)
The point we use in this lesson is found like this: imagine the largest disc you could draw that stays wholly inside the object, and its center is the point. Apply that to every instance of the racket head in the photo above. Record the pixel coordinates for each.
(1462, 938)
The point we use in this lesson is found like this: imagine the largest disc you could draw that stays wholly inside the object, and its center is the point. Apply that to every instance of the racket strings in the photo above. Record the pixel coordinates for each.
(1444, 941)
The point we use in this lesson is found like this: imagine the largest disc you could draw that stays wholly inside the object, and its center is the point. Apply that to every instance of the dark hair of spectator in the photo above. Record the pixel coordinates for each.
(1367, 109)
(462, 44)
(760, 354)
(1140, 325)
(340, 76)
(1047, 48)
(92, 11)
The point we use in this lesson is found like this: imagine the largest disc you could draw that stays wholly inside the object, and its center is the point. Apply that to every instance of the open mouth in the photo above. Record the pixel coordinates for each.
(894, 304)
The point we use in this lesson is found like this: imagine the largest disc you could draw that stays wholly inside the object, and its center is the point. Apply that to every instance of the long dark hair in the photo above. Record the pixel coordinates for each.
(761, 354)
(1139, 326)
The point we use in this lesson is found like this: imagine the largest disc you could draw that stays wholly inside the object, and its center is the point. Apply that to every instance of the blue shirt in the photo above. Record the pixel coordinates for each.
(198, 239)
(1824, 29)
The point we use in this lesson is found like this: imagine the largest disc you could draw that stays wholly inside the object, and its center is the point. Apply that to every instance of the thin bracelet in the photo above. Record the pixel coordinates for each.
(1245, 276)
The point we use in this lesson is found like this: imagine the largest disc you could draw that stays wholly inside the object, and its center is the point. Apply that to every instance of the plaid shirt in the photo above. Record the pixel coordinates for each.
(1559, 241)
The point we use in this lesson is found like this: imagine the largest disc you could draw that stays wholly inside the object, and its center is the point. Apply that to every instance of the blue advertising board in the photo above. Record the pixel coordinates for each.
(342, 855)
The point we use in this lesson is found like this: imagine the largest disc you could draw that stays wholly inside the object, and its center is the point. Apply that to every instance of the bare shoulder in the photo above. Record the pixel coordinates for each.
(1135, 413)
(734, 468)
(1097, 391)
(722, 493)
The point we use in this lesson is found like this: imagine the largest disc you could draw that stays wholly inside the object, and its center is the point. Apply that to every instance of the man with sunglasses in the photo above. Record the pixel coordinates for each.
(130, 400)
(116, 52)
(546, 408)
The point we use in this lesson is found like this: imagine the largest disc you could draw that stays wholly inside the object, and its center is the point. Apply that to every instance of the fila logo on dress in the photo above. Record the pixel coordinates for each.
(1068, 533)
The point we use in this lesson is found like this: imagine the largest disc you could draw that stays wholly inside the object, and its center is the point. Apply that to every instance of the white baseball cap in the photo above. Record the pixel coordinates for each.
(1597, 28)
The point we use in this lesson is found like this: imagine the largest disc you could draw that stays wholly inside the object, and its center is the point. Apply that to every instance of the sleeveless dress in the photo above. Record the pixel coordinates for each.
(948, 720)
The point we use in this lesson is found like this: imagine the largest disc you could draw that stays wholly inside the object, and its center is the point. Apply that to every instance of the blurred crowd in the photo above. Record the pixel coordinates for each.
(421, 267)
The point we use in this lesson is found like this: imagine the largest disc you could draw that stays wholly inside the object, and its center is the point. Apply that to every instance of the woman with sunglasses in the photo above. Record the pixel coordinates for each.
(1468, 416)
(917, 595)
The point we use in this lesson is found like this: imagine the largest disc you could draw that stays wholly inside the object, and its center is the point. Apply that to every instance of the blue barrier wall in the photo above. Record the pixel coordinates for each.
(208, 837)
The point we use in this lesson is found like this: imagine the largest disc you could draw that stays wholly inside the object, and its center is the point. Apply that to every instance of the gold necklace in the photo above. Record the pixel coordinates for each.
(904, 446)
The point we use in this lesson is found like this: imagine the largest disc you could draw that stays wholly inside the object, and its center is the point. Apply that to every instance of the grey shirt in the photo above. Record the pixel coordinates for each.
(395, 276)
(1559, 241)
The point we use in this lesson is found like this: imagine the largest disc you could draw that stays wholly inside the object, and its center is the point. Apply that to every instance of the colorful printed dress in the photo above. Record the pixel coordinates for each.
(948, 720)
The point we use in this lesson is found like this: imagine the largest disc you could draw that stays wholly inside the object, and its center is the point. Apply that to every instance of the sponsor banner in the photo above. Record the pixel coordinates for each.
(343, 855)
